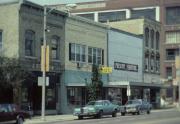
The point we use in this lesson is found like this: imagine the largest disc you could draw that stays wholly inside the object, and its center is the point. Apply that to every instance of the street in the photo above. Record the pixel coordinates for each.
(171, 116)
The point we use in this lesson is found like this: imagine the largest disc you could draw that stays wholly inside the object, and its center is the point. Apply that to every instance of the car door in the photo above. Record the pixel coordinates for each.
(12, 112)
(108, 107)
(4, 114)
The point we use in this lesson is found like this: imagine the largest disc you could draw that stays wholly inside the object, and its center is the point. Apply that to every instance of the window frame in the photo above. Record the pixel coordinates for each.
(95, 55)
(57, 48)
(82, 49)
(30, 33)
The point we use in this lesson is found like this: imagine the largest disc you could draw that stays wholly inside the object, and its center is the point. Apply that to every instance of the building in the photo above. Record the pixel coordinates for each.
(164, 11)
(127, 55)
(85, 45)
(75, 45)
(21, 30)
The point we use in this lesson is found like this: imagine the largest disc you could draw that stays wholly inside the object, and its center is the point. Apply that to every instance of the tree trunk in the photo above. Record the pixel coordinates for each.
(17, 94)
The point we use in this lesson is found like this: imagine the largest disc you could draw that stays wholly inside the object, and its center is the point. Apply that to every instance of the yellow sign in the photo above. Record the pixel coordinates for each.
(105, 70)
(45, 65)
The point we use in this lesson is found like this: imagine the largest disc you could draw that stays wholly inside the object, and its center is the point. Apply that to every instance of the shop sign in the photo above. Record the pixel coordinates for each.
(105, 70)
(125, 66)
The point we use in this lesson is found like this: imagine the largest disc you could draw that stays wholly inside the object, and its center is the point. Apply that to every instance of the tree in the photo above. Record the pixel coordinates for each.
(12, 75)
(95, 88)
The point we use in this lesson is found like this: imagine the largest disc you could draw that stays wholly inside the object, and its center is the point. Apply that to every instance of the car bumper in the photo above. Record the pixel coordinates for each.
(85, 114)
(132, 110)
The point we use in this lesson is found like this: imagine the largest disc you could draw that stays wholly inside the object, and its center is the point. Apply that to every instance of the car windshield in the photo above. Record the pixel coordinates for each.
(95, 103)
(133, 102)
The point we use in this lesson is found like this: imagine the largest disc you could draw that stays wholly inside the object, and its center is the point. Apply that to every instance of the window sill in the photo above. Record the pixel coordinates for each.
(30, 57)
(56, 60)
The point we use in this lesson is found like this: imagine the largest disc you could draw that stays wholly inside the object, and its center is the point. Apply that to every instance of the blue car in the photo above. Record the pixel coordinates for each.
(97, 109)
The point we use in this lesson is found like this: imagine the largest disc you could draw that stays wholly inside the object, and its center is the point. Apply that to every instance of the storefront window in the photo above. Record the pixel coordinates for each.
(74, 95)
(50, 99)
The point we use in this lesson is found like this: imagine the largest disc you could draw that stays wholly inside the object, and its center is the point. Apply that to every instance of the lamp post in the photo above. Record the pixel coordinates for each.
(44, 64)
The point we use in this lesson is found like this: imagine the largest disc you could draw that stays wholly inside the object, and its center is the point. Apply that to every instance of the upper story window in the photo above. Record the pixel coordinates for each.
(152, 39)
(146, 13)
(146, 37)
(88, 16)
(77, 52)
(95, 55)
(0, 40)
(112, 16)
(157, 40)
(173, 15)
(168, 72)
(29, 42)
(171, 54)
(172, 37)
(55, 41)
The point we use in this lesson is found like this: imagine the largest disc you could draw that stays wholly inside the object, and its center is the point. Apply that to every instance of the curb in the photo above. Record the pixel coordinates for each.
(37, 120)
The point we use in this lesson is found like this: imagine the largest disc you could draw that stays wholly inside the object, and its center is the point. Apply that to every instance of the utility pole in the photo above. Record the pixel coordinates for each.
(44, 64)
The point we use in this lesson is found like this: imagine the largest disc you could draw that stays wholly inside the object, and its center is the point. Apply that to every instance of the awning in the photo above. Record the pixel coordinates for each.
(127, 83)
(76, 85)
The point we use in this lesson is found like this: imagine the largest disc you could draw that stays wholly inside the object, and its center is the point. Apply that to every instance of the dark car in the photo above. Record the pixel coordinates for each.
(136, 107)
(11, 114)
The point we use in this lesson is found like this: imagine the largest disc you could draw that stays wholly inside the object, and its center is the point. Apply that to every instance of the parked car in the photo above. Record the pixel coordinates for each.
(96, 109)
(136, 107)
(118, 103)
(10, 113)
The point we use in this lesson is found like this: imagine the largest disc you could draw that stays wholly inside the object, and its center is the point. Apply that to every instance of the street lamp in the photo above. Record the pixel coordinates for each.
(45, 60)
(44, 64)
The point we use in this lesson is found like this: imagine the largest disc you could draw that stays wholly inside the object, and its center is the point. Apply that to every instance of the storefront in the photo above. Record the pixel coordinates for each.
(149, 92)
(31, 93)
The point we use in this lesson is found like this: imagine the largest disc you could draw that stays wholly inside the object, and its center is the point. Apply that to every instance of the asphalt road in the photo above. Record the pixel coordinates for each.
(170, 116)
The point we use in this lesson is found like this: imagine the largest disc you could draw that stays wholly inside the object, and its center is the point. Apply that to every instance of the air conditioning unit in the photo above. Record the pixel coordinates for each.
(79, 65)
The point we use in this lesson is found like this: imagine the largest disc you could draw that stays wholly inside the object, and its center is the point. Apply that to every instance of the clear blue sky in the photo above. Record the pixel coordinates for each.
(42, 2)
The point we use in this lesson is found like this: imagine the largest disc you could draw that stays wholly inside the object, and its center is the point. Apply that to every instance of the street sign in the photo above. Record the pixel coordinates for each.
(40, 81)
(128, 91)
(105, 70)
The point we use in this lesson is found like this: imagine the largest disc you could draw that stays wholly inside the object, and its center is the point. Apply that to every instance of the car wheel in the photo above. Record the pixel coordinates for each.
(123, 113)
(100, 114)
(20, 120)
(80, 117)
(114, 114)
(148, 111)
(138, 112)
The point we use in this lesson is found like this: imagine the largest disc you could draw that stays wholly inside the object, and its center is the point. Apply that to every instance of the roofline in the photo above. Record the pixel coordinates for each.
(128, 33)
(9, 2)
(89, 21)
(26, 2)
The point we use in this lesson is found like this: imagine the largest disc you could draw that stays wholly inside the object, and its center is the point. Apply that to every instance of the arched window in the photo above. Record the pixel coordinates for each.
(152, 39)
(55, 42)
(157, 40)
(29, 42)
(146, 37)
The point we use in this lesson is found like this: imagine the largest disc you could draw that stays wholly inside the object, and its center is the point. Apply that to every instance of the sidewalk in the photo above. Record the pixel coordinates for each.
(49, 118)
